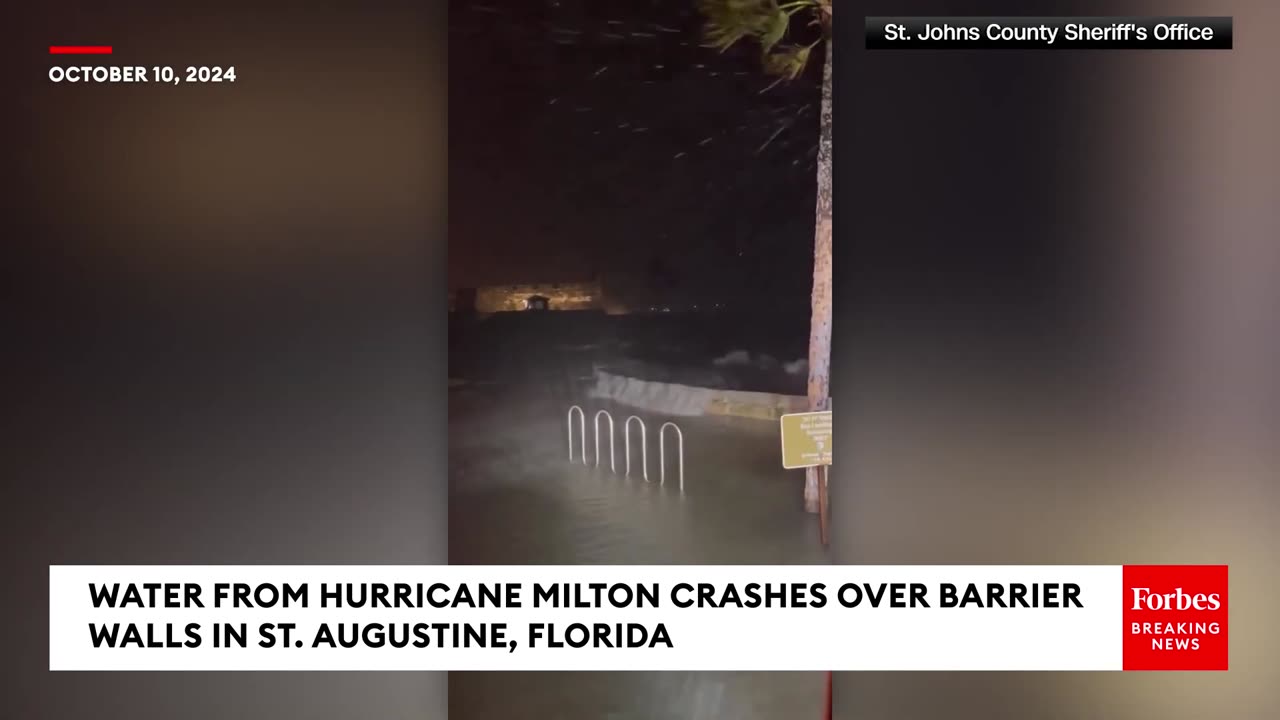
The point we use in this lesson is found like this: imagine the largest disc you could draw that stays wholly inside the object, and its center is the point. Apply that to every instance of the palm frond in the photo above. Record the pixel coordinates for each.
(776, 31)
(730, 21)
(766, 22)
(787, 62)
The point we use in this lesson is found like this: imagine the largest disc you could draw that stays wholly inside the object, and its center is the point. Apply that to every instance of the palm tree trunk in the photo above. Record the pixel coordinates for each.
(820, 324)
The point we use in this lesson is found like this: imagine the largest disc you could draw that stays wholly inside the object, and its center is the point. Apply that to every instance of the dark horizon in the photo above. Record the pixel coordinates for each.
(602, 139)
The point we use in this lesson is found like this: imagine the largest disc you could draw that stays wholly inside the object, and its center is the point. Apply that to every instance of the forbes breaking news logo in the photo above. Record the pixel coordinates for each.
(1175, 617)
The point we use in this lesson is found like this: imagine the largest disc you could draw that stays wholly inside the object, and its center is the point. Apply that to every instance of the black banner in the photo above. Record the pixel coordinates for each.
(1049, 33)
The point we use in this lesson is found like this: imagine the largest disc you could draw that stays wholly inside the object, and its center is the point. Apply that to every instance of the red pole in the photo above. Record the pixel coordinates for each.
(823, 507)
(827, 713)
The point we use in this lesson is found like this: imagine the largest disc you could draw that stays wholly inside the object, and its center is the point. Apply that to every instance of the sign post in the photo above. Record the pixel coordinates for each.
(806, 443)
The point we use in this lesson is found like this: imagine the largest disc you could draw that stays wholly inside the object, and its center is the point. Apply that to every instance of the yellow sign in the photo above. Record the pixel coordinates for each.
(806, 439)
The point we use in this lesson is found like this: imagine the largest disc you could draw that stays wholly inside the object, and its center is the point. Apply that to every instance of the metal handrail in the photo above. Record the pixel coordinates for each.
(644, 454)
(596, 426)
(582, 432)
(662, 454)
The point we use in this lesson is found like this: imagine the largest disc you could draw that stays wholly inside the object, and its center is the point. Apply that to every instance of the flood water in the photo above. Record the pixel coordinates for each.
(515, 498)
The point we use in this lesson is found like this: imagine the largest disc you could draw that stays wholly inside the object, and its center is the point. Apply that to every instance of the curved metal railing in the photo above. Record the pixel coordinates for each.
(596, 427)
(662, 452)
(582, 432)
(644, 454)
(626, 443)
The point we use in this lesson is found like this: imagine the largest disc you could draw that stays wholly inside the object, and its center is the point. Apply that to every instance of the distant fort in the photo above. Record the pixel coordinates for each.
(586, 295)
(613, 296)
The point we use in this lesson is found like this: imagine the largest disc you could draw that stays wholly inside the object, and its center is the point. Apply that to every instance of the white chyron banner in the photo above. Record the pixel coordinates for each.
(812, 618)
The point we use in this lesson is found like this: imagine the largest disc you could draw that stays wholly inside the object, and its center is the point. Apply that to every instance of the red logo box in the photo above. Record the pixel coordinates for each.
(1175, 617)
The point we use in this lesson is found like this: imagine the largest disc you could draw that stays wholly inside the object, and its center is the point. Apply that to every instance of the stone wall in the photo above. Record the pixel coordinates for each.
(562, 296)
(691, 401)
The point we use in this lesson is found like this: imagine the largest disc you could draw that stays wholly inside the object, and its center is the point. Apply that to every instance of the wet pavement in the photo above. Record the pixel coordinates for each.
(514, 498)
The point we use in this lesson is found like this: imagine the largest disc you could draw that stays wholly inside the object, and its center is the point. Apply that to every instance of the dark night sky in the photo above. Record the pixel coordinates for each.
(597, 136)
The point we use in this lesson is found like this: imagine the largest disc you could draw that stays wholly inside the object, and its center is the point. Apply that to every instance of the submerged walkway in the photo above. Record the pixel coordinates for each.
(515, 499)
(511, 482)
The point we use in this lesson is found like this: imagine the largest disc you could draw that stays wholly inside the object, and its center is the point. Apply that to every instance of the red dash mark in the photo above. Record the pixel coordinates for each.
(79, 49)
